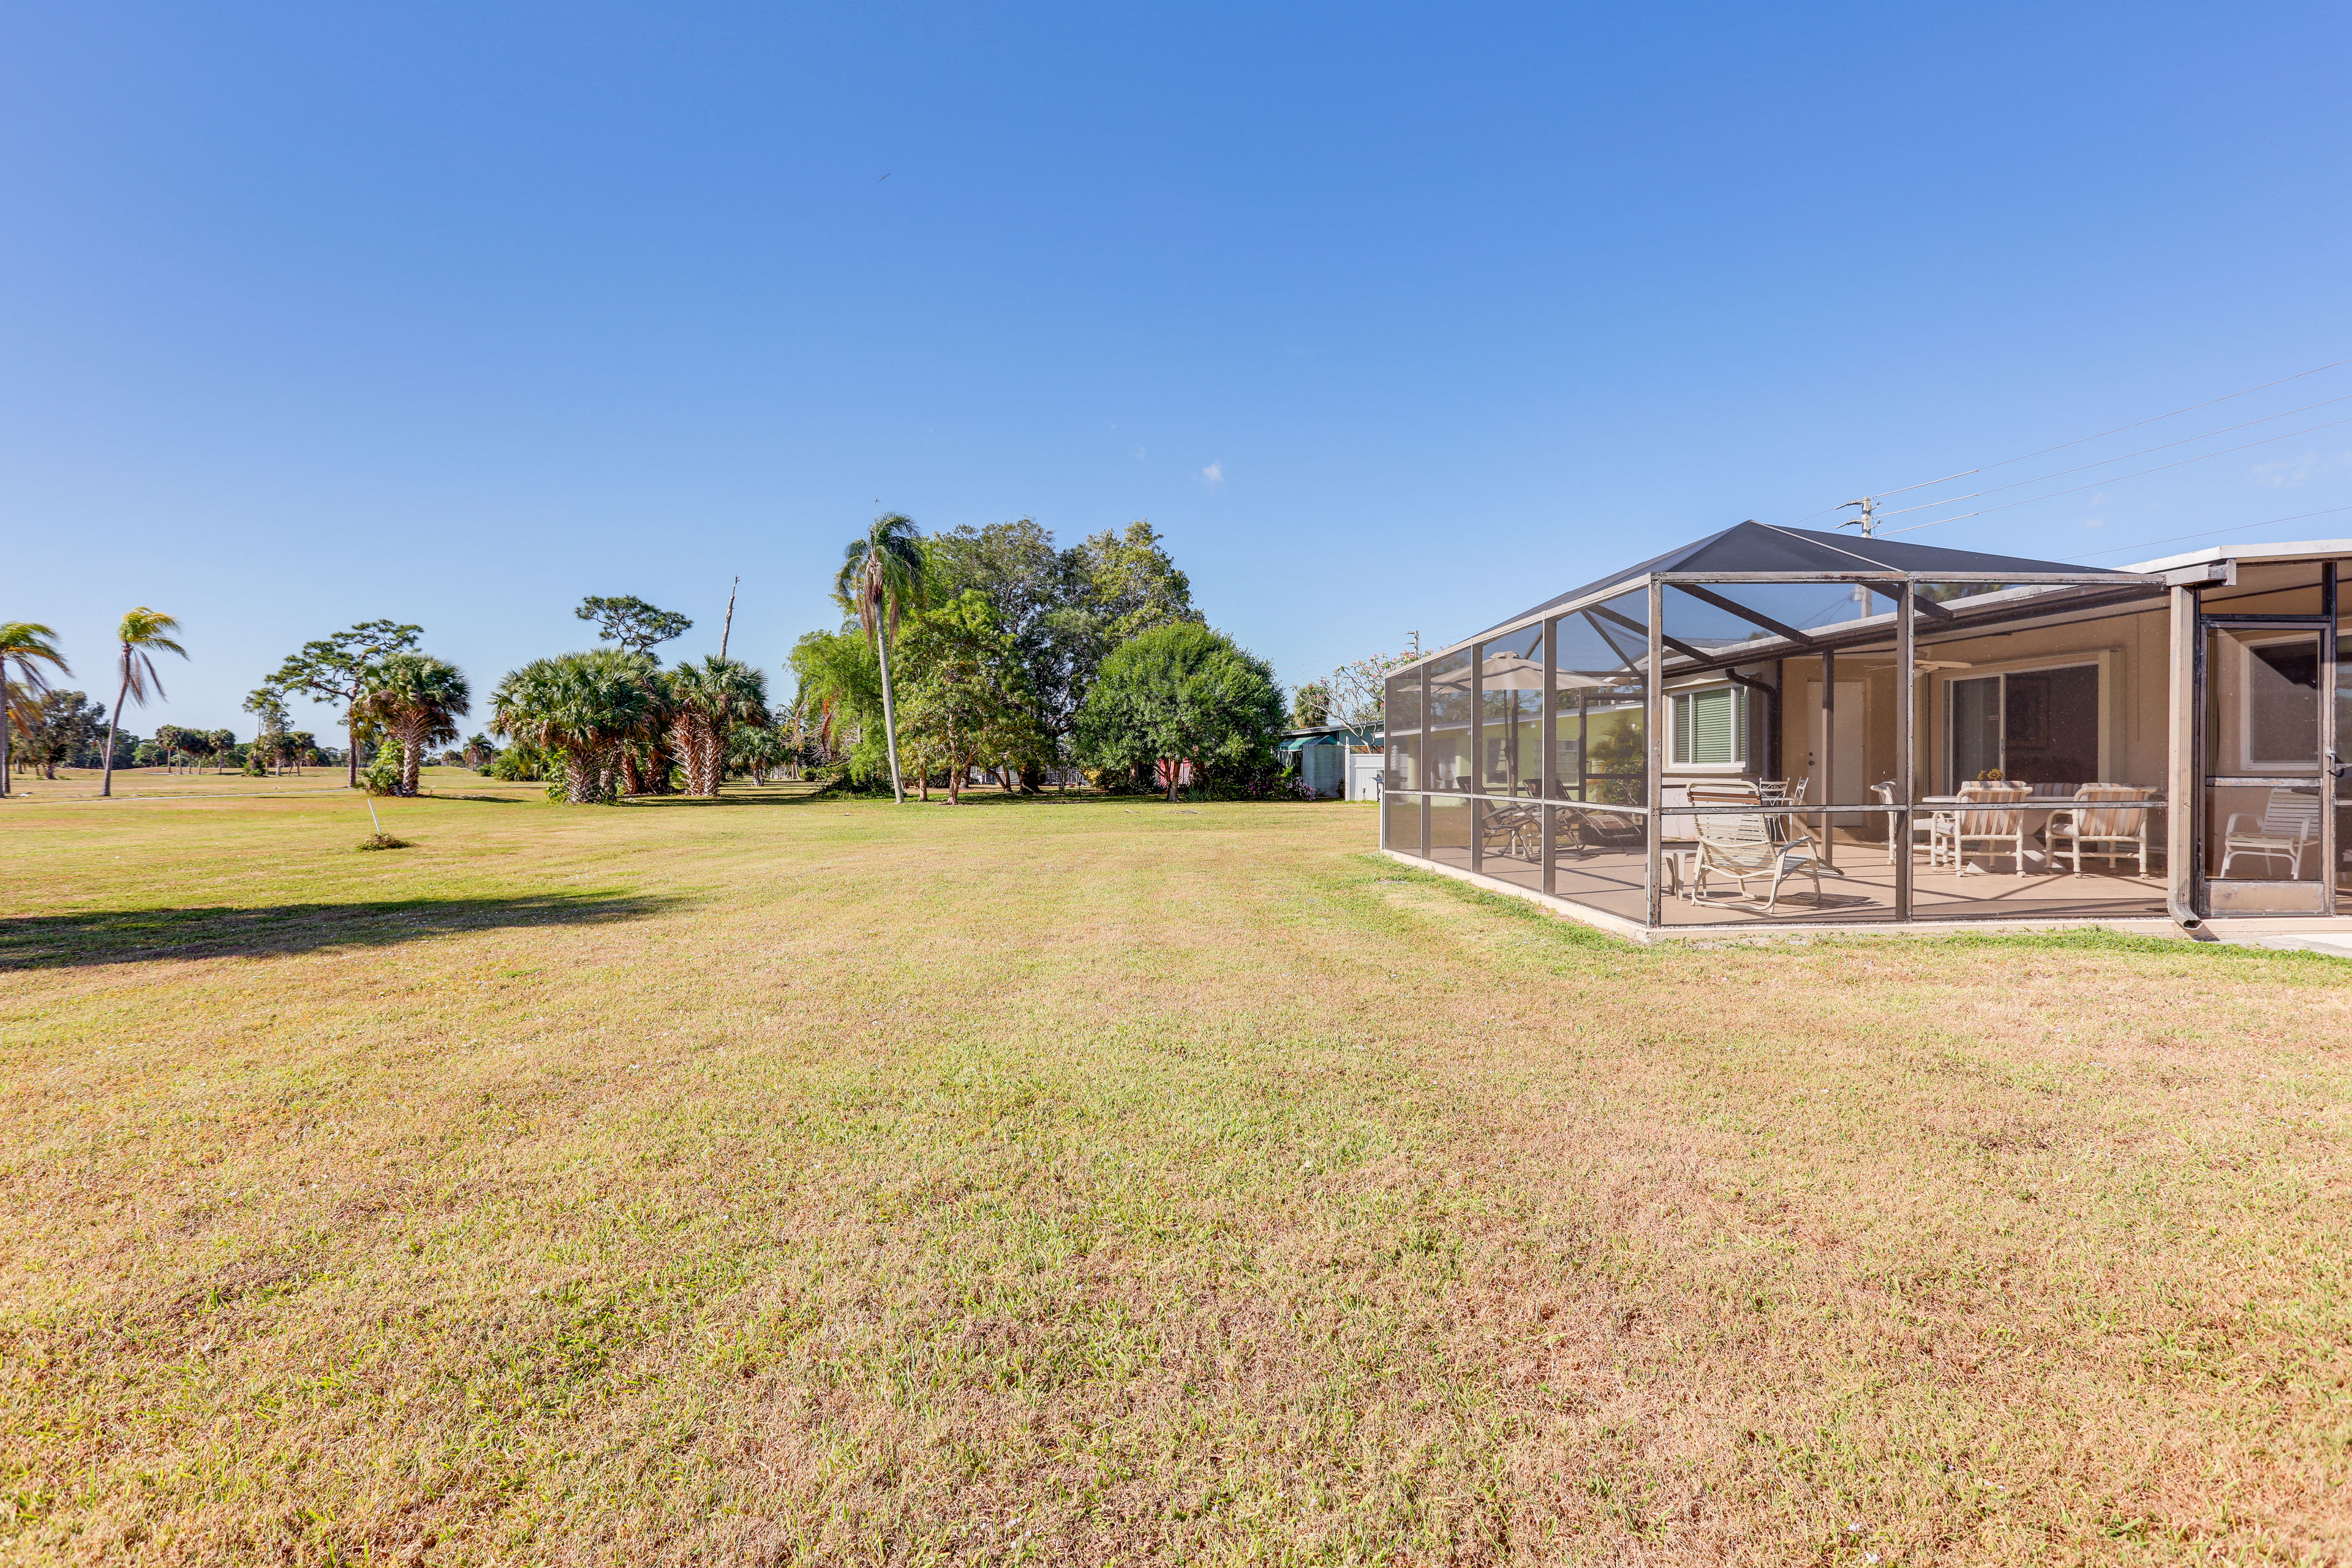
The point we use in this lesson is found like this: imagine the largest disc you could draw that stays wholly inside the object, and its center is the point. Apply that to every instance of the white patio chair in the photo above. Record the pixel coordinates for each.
(1927, 822)
(1741, 847)
(2288, 825)
(2095, 828)
(1996, 821)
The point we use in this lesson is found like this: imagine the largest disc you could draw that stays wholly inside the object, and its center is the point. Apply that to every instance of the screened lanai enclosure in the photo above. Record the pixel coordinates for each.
(1773, 725)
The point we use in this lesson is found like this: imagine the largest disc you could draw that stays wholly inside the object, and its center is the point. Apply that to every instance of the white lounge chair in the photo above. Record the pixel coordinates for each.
(2288, 825)
(1741, 847)
(2096, 827)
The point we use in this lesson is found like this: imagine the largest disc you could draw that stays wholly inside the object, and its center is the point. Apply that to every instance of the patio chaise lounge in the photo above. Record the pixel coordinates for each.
(1741, 847)
(1598, 827)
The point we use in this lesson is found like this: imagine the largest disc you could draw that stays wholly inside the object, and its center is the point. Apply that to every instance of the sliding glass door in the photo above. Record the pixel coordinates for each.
(2028, 726)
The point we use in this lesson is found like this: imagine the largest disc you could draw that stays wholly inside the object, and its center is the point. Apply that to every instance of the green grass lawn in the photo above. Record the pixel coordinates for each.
(790, 1180)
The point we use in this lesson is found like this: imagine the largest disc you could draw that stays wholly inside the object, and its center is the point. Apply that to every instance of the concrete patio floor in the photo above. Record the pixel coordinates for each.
(1607, 889)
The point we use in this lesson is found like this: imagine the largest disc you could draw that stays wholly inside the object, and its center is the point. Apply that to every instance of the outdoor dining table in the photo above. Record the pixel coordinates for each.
(2045, 804)
(2031, 802)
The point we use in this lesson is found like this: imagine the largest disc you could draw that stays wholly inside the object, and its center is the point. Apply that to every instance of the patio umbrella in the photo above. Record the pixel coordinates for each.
(1517, 672)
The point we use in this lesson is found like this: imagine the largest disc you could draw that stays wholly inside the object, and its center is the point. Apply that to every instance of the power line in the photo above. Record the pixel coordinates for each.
(2080, 440)
(2122, 457)
(2119, 479)
(2210, 533)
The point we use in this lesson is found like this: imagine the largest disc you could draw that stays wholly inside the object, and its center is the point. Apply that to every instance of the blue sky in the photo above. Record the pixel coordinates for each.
(1390, 320)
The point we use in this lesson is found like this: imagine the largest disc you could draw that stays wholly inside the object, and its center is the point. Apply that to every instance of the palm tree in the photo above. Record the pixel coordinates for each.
(584, 707)
(882, 574)
(706, 702)
(645, 759)
(418, 700)
(27, 645)
(144, 634)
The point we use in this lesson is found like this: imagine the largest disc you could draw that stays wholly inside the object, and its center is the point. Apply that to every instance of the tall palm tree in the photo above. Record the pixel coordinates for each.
(706, 702)
(418, 700)
(27, 645)
(144, 633)
(882, 574)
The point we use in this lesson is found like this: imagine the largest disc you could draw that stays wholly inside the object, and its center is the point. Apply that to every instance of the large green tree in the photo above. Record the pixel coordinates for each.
(583, 708)
(837, 700)
(966, 699)
(1031, 586)
(418, 700)
(31, 649)
(268, 704)
(1064, 610)
(632, 623)
(1183, 693)
(882, 577)
(144, 634)
(1127, 585)
(58, 731)
(341, 668)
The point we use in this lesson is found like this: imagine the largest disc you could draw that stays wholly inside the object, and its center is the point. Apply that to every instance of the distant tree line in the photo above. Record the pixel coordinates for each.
(993, 650)
(987, 651)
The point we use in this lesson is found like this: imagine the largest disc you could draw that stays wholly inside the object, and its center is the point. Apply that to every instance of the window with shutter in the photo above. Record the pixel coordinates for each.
(1711, 728)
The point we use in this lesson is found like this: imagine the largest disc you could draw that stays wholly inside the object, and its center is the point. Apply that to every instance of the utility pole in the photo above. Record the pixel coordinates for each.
(1416, 642)
(725, 630)
(1868, 521)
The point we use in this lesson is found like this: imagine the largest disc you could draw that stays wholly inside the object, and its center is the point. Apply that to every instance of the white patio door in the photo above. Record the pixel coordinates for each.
(1845, 776)
(2269, 786)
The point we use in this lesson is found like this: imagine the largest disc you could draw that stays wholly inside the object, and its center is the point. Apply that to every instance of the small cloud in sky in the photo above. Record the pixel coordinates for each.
(2288, 472)
(1214, 475)
(2095, 523)
(1138, 454)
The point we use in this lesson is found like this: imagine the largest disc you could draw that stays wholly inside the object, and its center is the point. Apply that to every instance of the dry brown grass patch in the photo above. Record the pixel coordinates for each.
(829, 1182)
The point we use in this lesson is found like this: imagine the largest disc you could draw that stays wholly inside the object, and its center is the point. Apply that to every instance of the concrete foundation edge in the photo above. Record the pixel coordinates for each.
(2335, 941)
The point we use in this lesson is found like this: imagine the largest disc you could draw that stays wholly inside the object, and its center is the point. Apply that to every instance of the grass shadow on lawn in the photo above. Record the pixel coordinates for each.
(222, 930)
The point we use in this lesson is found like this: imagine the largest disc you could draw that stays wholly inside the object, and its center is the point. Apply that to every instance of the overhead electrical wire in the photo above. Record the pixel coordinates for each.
(2126, 456)
(2117, 479)
(2212, 532)
(2080, 440)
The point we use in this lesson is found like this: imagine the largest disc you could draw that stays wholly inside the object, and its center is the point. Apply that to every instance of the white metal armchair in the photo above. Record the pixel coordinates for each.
(1989, 815)
(2288, 825)
(1930, 822)
(2096, 827)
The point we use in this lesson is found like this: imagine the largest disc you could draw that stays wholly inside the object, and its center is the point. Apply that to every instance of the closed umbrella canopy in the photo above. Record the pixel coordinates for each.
(1517, 672)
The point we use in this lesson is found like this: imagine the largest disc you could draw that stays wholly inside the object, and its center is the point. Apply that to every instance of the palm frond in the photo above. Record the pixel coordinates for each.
(144, 634)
